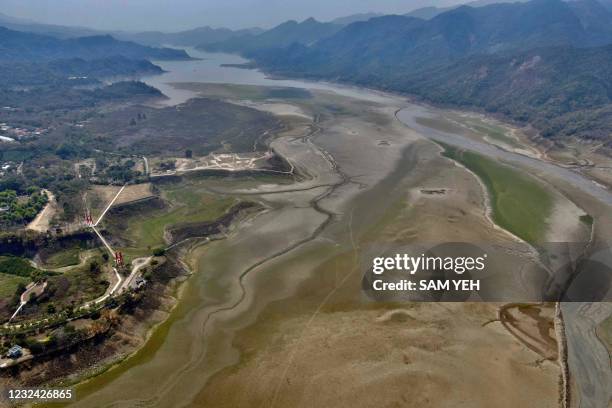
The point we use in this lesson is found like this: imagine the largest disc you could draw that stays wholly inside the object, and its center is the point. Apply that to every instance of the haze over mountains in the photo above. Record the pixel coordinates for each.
(291, 32)
(524, 60)
(543, 61)
(196, 36)
(24, 46)
(411, 43)
(42, 72)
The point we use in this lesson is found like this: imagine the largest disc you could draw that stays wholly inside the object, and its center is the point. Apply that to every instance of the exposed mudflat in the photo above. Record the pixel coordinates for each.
(274, 314)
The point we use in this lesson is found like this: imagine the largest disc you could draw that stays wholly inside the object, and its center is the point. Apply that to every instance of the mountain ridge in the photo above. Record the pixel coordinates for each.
(305, 32)
(24, 46)
(532, 62)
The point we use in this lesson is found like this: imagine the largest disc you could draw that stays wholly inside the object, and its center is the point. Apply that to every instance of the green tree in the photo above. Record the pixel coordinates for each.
(51, 308)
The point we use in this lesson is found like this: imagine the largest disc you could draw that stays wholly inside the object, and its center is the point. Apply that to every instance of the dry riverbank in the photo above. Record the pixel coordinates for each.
(275, 312)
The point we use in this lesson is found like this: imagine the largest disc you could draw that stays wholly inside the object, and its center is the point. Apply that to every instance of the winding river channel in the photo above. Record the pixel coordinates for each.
(161, 373)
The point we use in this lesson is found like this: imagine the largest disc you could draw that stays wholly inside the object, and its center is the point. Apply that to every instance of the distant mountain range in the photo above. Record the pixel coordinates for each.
(354, 18)
(188, 38)
(42, 72)
(19, 24)
(525, 60)
(193, 37)
(427, 13)
(405, 40)
(23, 46)
(291, 32)
(547, 62)
(383, 45)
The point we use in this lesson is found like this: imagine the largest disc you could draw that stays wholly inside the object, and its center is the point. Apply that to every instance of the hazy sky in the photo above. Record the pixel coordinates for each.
(167, 15)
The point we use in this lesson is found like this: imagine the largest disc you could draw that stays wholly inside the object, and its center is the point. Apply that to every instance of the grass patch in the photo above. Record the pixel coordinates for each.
(587, 219)
(8, 284)
(13, 265)
(79, 284)
(187, 204)
(65, 258)
(519, 204)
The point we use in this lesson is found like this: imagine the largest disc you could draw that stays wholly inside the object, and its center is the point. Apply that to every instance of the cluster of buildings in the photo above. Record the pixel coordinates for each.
(11, 133)
(9, 167)
(5, 168)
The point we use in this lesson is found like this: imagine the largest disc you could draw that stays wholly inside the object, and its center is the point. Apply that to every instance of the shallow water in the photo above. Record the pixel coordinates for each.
(208, 69)
(409, 116)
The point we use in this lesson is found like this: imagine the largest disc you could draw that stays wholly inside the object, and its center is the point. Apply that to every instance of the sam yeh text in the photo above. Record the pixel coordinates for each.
(459, 285)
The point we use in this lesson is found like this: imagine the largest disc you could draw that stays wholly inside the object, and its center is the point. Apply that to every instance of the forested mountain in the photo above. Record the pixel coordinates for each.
(291, 32)
(40, 72)
(562, 91)
(383, 45)
(70, 72)
(543, 61)
(23, 46)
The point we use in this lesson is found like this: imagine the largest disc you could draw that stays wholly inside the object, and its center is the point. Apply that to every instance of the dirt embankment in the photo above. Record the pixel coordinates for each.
(43, 219)
(30, 244)
(181, 232)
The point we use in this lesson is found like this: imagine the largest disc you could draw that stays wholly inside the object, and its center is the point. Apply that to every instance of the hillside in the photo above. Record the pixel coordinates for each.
(71, 72)
(306, 32)
(478, 57)
(383, 45)
(22, 46)
(561, 91)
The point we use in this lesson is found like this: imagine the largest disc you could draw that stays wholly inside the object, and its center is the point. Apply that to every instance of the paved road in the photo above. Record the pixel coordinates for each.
(36, 288)
(110, 205)
(137, 265)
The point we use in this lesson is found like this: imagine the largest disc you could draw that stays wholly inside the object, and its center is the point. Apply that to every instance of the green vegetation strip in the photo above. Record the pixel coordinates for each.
(68, 257)
(9, 284)
(13, 265)
(188, 204)
(519, 203)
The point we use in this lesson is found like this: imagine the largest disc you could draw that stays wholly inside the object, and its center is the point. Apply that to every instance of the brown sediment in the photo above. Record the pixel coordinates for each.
(180, 232)
(565, 389)
(531, 327)
(276, 315)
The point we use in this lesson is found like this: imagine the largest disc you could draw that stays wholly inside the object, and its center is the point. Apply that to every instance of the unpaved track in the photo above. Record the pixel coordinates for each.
(43, 219)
